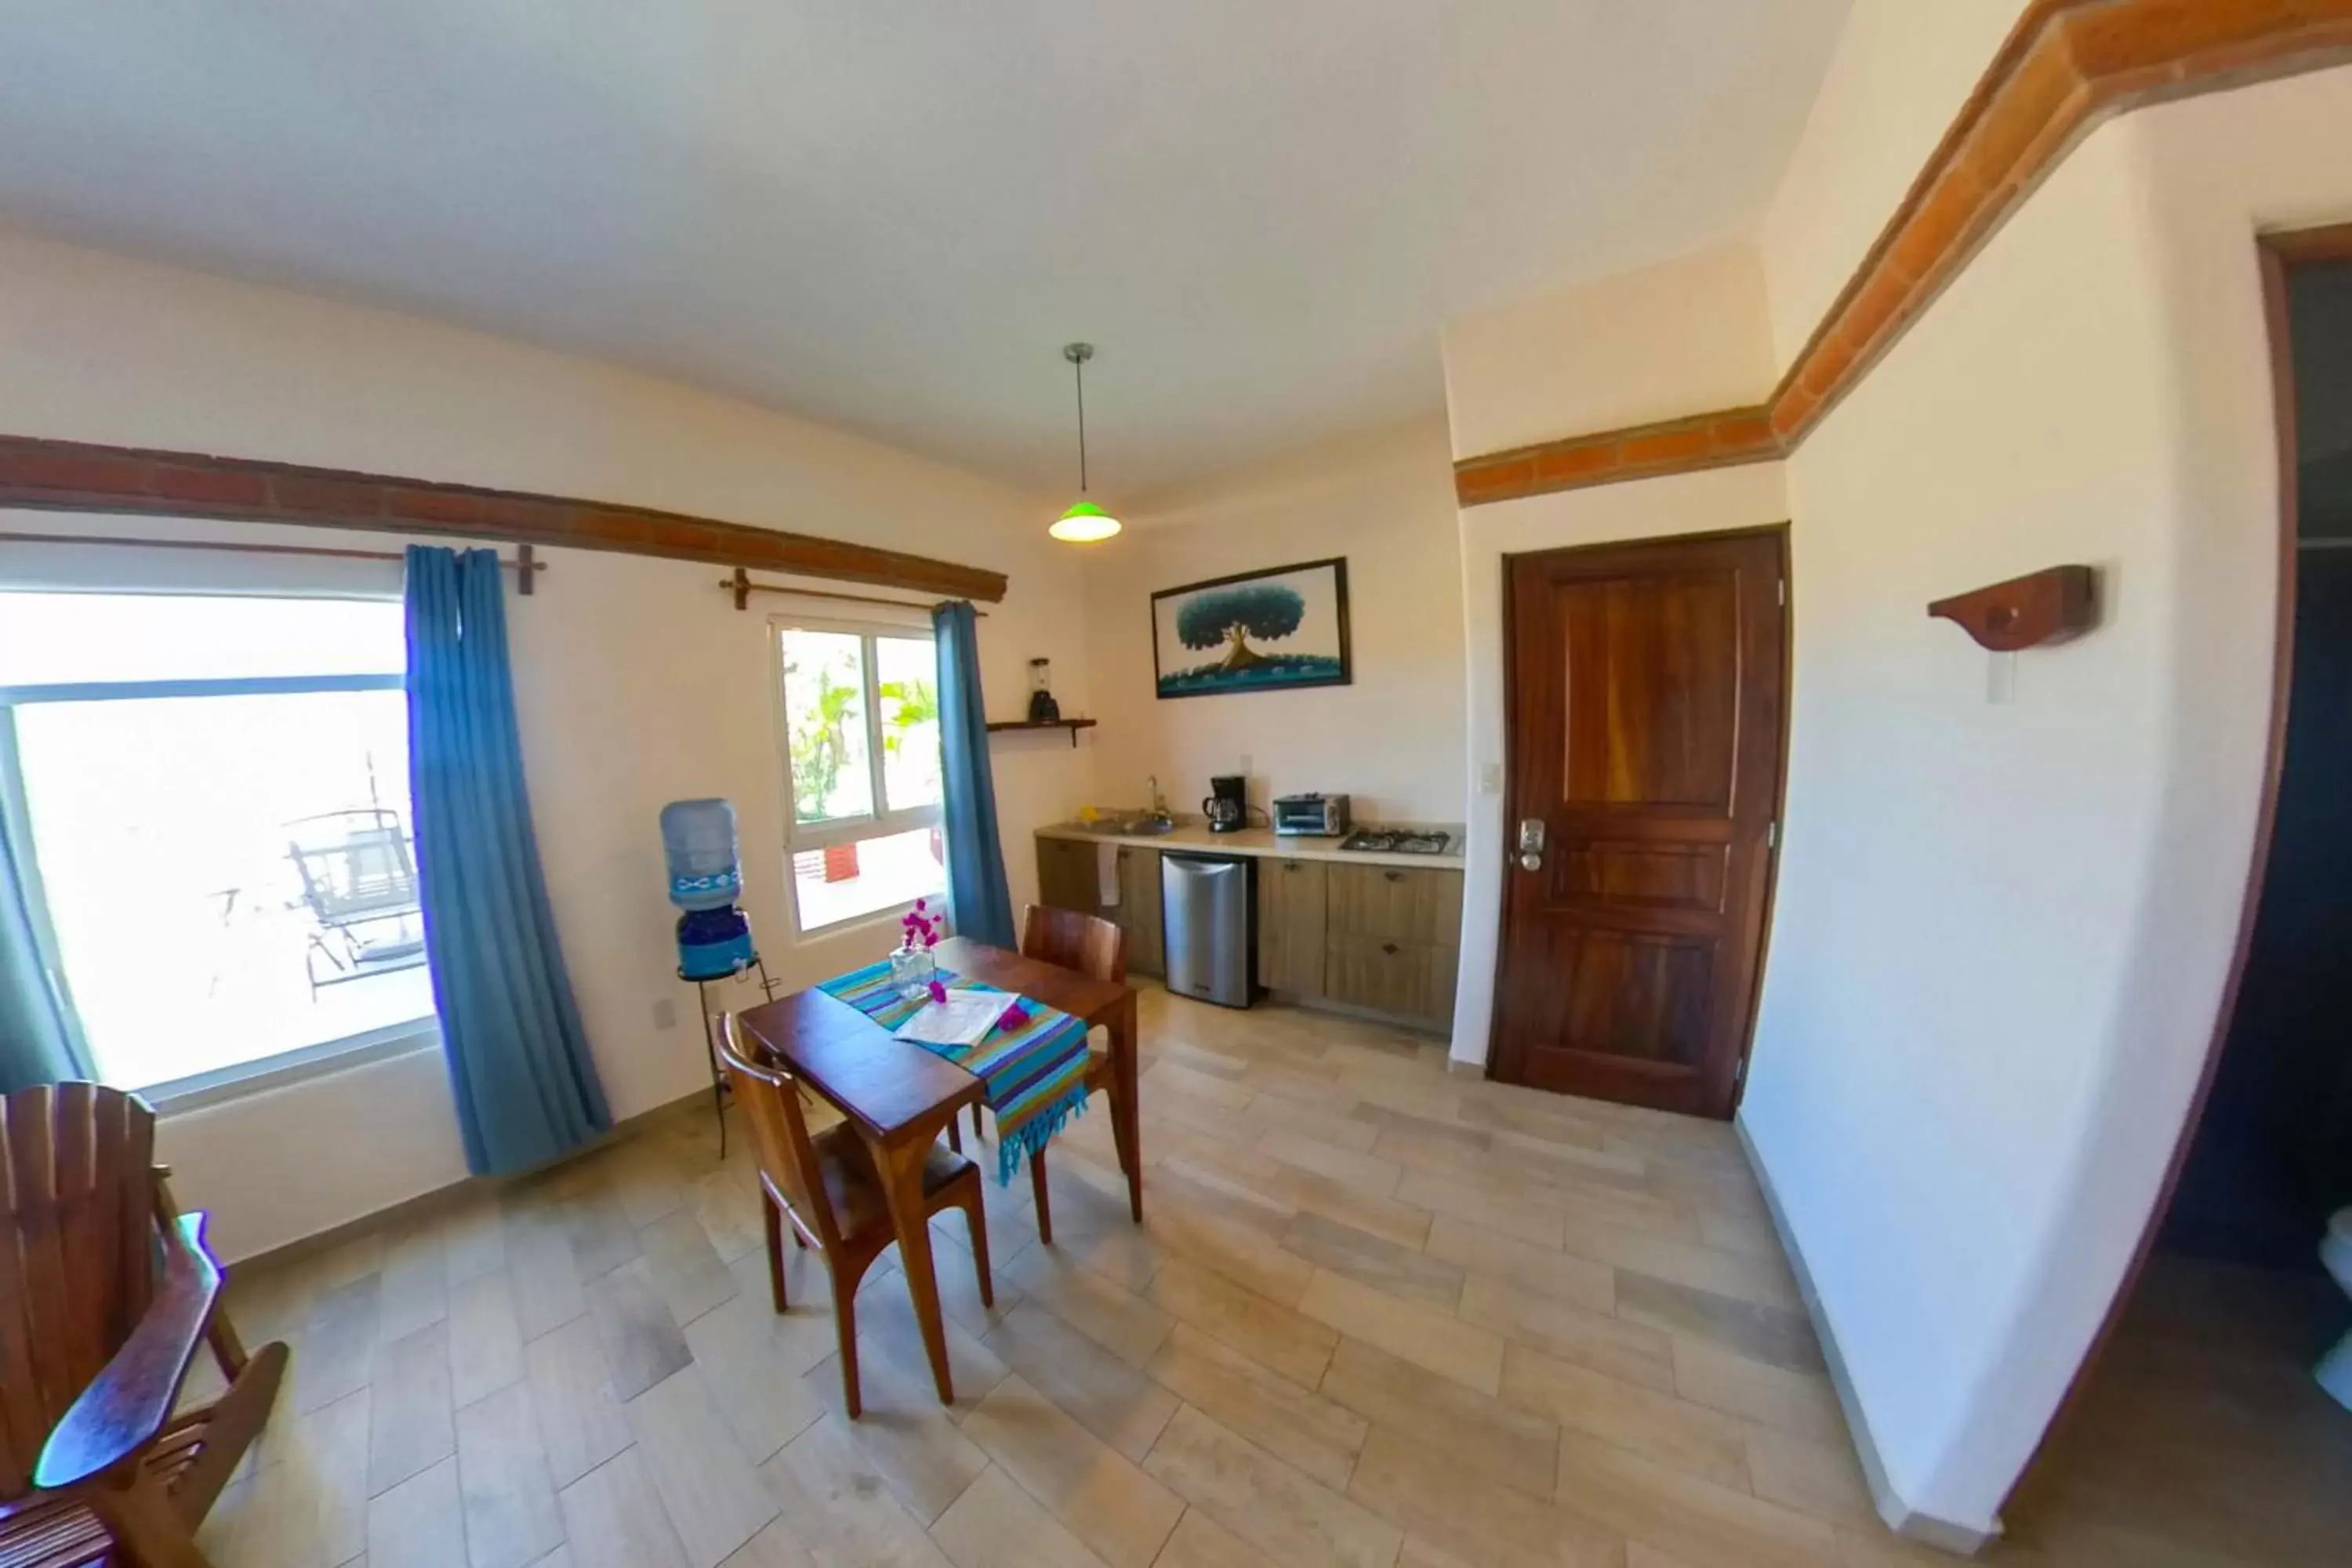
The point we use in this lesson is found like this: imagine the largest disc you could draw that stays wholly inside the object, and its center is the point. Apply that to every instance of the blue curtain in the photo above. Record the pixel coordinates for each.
(40, 1036)
(519, 1062)
(978, 900)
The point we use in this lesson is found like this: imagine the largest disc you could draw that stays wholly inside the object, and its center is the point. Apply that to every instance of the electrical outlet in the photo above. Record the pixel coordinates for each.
(666, 1013)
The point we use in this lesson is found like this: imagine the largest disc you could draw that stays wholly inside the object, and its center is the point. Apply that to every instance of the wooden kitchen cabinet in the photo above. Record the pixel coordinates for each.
(1138, 910)
(1394, 941)
(1067, 877)
(1290, 926)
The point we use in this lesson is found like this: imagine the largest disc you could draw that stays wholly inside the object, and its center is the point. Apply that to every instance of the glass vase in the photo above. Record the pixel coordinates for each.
(912, 970)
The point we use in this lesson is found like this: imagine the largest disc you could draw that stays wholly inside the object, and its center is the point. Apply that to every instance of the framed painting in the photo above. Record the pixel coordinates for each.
(1275, 630)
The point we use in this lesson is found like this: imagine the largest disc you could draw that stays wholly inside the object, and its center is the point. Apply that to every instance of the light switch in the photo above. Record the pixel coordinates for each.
(2001, 678)
(666, 1013)
(1490, 779)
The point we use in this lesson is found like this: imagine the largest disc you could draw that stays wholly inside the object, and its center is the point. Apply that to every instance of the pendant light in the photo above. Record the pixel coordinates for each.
(1085, 522)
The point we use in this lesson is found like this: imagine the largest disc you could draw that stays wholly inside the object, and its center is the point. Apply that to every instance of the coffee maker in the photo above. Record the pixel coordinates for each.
(1227, 807)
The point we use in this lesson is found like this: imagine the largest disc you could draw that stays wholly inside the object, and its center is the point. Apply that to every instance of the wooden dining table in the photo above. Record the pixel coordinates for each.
(899, 1098)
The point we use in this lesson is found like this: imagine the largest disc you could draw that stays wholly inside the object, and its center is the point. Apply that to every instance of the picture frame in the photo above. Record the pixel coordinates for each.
(1280, 628)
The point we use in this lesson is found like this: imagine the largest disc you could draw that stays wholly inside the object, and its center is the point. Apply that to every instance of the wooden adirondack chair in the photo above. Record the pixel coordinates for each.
(106, 1293)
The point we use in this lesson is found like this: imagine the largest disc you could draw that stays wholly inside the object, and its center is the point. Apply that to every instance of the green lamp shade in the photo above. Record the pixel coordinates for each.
(1084, 523)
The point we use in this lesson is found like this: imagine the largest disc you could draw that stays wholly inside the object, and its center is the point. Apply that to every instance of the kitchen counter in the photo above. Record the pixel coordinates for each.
(1195, 837)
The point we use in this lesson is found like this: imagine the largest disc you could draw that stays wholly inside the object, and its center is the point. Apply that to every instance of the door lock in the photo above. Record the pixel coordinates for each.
(1531, 843)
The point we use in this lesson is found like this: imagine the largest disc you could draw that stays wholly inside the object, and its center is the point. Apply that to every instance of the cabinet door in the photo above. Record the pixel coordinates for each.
(1067, 876)
(1290, 925)
(1138, 909)
(1410, 981)
(1410, 907)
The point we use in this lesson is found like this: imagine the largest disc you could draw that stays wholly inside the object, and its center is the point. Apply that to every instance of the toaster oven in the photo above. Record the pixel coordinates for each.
(1316, 815)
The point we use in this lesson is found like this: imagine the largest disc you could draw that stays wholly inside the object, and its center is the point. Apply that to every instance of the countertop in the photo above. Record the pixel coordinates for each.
(1193, 835)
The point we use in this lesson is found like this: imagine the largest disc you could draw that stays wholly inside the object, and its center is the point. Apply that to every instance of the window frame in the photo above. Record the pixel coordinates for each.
(803, 838)
(279, 1069)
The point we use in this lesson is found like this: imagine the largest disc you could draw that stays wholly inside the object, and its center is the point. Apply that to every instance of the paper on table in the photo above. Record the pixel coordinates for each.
(961, 1020)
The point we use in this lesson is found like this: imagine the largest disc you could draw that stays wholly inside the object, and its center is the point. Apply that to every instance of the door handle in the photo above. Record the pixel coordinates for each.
(1531, 843)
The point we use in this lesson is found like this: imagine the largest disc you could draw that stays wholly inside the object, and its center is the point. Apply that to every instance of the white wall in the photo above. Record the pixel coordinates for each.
(637, 683)
(1393, 739)
(2004, 930)
(1706, 502)
(1687, 336)
(1895, 83)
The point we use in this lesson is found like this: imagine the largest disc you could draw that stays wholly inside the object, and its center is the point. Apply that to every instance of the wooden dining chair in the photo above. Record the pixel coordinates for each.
(107, 1294)
(827, 1185)
(1095, 948)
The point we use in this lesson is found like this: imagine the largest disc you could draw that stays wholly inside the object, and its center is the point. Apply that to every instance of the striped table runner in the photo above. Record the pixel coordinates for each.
(1036, 1075)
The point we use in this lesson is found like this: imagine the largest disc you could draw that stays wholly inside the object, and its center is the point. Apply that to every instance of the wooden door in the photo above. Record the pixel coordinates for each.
(1647, 705)
(1068, 876)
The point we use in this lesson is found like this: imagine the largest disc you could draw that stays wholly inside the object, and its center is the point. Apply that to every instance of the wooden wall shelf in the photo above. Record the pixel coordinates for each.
(1072, 725)
(2048, 606)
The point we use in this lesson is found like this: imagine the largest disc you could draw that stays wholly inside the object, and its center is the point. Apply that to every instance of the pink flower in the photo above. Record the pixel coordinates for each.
(919, 906)
(1013, 1016)
(938, 992)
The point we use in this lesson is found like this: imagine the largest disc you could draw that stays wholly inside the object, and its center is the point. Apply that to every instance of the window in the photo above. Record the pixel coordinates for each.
(862, 754)
(217, 796)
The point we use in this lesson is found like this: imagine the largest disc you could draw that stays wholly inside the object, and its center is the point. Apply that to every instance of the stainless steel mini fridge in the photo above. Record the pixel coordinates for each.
(1208, 907)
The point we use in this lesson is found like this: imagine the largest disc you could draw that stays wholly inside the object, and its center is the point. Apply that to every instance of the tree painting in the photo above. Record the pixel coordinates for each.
(1229, 617)
(1285, 627)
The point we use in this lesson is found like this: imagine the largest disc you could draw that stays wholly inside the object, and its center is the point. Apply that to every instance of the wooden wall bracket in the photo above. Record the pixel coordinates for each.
(2046, 606)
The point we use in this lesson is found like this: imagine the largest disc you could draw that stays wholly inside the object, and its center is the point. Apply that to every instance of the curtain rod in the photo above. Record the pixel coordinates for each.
(523, 565)
(742, 587)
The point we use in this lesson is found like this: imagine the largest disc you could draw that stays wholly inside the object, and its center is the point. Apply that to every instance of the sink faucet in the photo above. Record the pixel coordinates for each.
(1159, 806)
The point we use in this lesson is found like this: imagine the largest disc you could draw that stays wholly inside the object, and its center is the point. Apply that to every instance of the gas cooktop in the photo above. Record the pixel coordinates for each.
(1394, 841)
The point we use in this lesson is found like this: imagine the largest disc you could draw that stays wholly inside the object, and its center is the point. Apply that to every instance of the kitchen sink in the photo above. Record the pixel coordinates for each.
(1131, 827)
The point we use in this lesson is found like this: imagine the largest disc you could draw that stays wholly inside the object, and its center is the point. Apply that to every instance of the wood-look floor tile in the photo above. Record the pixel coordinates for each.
(1428, 1338)
(409, 1426)
(1292, 1423)
(1778, 1336)
(756, 1377)
(1470, 1520)
(336, 1354)
(505, 1492)
(412, 1289)
(309, 1507)
(1796, 1402)
(1634, 1353)
(1711, 1526)
(597, 1227)
(1127, 1326)
(418, 1523)
(1448, 1194)
(1275, 1336)
(1359, 1171)
(1508, 1443)
(1545, 1271)
(683, 1266)
(643, 1344)
(904, 1436)
(1265, 1502)
(1820, 1478)
(1109, 1397)
(613, 1518)
(996, 1524)
(1243, 1252)
(1294, 1102)
(580, 1417)
(837, 1507)
(1643, 1251)
(1401, 1271)
(889, 1337)
(644, 1181)
(711, 1492)
(1200, 1542)
(727, 1205)
(1706, 1443)
(485, 1337)
(472, 1233)
(1121, 1515)
(541, 1272)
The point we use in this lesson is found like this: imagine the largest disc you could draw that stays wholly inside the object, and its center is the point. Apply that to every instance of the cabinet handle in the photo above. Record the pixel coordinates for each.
(1389, 947)
(1393, 875)
(1292, 866)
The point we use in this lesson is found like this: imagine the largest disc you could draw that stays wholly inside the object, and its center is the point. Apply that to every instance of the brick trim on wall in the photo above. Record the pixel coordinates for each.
(2067, 66)
(77, 476)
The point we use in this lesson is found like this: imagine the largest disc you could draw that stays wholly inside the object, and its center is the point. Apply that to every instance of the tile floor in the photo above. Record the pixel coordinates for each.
(1378, 1315)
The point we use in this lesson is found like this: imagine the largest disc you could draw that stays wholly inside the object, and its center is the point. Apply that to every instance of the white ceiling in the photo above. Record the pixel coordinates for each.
(888, 215)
